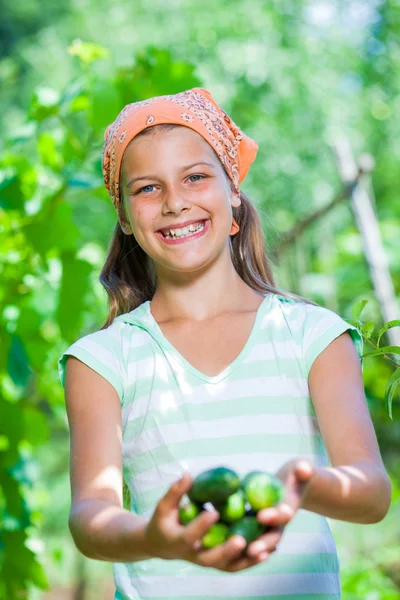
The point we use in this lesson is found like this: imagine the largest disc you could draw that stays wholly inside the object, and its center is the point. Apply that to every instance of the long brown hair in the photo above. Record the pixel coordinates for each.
(129, 277)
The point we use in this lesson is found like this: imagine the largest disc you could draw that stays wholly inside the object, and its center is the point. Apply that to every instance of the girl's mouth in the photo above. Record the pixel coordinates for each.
(191, 235)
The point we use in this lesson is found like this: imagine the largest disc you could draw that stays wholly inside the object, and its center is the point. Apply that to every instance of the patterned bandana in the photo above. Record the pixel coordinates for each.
(193, 108)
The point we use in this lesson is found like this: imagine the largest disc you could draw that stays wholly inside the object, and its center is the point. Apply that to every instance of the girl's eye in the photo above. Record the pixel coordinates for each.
(150, 186)
(196, 175)
(143, 188)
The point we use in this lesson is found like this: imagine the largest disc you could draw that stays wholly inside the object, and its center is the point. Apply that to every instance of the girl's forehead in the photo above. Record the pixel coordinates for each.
(182, 141)
(157, 137)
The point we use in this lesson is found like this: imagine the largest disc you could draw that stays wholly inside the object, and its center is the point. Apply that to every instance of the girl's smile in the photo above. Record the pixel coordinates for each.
(169, 203)
(189, 234)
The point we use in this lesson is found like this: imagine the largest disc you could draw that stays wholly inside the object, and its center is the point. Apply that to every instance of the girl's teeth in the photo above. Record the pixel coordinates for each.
(185, 231)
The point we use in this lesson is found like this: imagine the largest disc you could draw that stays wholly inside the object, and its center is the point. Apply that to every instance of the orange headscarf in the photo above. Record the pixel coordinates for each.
(193, 108)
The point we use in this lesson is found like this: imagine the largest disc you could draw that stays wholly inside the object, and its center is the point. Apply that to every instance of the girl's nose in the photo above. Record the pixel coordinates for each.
(175, 200)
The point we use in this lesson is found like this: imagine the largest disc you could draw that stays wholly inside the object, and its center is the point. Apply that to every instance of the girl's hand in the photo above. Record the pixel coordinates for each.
(167, 538)
(295, 476)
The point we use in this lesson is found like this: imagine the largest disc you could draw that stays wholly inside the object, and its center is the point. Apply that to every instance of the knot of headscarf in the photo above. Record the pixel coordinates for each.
(193, 108)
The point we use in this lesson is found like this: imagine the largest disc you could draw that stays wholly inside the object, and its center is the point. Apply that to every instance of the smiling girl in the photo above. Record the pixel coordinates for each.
(204, 362)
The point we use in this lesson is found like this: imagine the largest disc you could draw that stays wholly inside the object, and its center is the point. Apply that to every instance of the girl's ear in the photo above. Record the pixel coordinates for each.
(123, 221)
(235, 199)
(126, 228)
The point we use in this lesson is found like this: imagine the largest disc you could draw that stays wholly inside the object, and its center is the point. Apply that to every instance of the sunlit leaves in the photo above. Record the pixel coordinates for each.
(290, 85)
(36, 425)
(48, 151)
(20, 567)
(73, 292)
(10, 189)
(367, 329)
(105, 103)
(155, 73)
(87, 52)
(18, 365)
(391, 386)
(54, 228)
(45, 103)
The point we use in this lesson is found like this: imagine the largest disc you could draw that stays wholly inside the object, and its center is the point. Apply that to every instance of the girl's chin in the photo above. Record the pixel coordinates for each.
(186, 264)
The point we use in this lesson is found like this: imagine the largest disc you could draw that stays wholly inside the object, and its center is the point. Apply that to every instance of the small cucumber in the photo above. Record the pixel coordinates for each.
(214, 485)
(247, 527)
(189, 511)
(217, 534)
(262, 489)
(234, 507)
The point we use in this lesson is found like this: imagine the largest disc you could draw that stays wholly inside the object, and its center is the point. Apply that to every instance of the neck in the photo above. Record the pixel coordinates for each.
(202, 295)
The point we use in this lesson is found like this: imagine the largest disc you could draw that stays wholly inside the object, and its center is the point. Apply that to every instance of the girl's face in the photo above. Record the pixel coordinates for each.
(168, 178)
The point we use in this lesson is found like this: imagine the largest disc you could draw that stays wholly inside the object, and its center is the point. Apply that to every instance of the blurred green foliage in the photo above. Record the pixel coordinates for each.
(294, 75)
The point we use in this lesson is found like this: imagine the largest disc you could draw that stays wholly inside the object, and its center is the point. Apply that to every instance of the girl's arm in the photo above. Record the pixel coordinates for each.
(101, 528)
(356, 487)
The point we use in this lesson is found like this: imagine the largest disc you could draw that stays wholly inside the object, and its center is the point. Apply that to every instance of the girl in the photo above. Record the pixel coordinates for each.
(204, 362)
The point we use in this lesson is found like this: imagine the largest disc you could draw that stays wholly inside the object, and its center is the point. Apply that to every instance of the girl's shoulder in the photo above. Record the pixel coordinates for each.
(106, 350)
(313, 327)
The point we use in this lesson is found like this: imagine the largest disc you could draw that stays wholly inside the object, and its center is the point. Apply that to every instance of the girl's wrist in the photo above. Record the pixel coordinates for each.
(139, 538)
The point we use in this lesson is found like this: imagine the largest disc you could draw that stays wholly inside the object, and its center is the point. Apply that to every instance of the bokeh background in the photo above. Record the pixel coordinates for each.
(295, 75)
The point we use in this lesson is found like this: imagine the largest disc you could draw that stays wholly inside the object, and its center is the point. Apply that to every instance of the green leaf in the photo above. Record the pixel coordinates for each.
(44, 104)
(155, 73)
(11, 425)
(36, 426)
(74, 286)
(11, 196)
(37, 575)
(80, 103)
(368, 329)
(87, 52)
(20, 565)
(53, 228)
(6, 338)
(358, 308)
(386, 326)
(18, 364)
(15, 506)
(105, 102)
(391, 386)
(383, 350)
(37, 350)
(47, 147)
(4, 443)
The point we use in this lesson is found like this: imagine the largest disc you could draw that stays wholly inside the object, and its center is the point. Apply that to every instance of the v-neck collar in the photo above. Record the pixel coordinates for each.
(143, 317)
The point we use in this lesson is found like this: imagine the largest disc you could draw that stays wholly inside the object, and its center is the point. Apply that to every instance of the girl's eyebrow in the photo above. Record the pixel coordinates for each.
(134, 179)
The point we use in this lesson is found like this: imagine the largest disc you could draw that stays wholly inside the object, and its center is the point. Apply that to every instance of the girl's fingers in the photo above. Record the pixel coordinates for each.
(171, 499)
(265, 543)
(276, 516)
(194, 531)
(305, 469)
(245, 562)
(223, 554)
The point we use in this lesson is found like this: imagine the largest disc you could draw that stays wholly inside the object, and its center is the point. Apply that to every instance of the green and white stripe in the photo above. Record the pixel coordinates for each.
(255, 415)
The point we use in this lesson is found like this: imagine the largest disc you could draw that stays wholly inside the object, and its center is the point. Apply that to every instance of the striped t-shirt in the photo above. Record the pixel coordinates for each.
(255, 415)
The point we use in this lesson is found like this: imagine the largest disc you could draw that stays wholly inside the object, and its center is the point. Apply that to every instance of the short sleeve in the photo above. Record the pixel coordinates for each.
(321, 327)
(102, 352)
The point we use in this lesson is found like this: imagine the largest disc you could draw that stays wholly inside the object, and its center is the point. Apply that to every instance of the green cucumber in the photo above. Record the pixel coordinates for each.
(234, 508)
(217, 534)
(188, 511)
(214, 485)
(262, 489)
(247, 527)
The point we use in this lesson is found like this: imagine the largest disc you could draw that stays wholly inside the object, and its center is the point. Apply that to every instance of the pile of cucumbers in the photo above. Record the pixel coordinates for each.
(236, 500)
